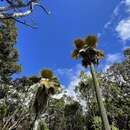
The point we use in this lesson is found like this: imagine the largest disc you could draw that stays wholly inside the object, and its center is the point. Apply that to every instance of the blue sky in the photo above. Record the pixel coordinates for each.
(50, 45)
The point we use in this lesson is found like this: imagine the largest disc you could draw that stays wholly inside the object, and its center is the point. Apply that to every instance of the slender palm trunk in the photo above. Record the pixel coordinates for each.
(99, 99)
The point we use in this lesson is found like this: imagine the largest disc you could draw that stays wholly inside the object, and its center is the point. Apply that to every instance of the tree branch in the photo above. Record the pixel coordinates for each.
(26, 24)
(31, 4)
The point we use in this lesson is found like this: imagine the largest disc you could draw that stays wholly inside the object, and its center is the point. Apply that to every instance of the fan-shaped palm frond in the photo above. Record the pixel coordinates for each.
(52, 85)
(45, 82)
(91, 41)
(100, 54)
(75, 54)
(86, 49)
(46, 73)
(79, 43)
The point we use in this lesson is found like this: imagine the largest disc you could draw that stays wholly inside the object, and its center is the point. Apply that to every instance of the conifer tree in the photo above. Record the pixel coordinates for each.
(8, 52)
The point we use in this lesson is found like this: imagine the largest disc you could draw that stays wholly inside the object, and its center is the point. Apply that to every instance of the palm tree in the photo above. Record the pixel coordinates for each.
(86, 49)
(49, 85)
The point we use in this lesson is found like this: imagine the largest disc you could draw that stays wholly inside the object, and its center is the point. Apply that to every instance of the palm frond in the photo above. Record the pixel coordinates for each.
(75, 54)
(79, 43)
(91, 41)
(86, 50)
(45, 82)
(100, 54)
(46, 73)
(51, 90)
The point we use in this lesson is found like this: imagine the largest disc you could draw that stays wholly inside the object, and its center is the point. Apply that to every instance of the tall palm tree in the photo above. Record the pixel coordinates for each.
(86, 50)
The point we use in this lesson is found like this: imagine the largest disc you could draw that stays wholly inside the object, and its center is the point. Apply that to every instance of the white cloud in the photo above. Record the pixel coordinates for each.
(110, 60)
(123, 29)
(113, 58)
(70, 78)
(118, 23)
(123, 25)
(115, 14)
(70, 90)
(127, 2)
(72, 75)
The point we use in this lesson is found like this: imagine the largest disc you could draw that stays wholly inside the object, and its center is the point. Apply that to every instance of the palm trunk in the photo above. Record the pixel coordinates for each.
(99, 99)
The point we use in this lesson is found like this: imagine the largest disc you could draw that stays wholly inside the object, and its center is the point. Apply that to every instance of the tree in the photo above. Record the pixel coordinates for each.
(49, 84)
(86, 49)
(85, 90)
(64, 113)
(117, 92)
(8, 54)
(74, 119)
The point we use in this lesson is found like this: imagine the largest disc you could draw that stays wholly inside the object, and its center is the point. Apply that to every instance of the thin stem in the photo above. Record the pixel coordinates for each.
(99, 99)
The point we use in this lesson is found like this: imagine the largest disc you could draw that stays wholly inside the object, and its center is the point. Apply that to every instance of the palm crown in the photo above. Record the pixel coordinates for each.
(49, 80)
(86, 49)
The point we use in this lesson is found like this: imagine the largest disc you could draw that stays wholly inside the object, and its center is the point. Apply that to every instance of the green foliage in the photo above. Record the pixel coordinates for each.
(60, 104)
(115, 89)
(3, 109)
(34, 79)
(42, 126)
(74, 118)
(127, 52)
(8, 54)
(8, 32)
(97, 123)
(71, 109)
(114, 128)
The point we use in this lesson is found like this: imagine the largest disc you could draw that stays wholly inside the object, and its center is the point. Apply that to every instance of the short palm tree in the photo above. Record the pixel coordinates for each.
(49, 85)
(86, 50)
